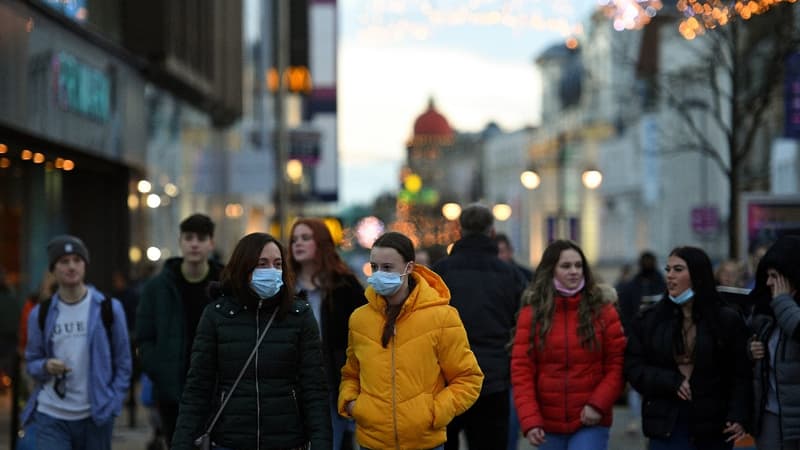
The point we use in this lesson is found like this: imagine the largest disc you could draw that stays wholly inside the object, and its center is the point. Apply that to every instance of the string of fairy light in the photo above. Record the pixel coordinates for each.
(700, 16)
(630, 14)
(416, 19)
(399, 19)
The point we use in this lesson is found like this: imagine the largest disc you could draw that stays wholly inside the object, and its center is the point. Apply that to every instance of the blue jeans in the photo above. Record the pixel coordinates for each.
(339, 423)
(587, 438)
(57, 434)
(634, 403)
(514, 432)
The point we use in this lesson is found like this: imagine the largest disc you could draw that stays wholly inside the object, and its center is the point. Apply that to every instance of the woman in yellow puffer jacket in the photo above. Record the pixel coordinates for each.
(409, 367)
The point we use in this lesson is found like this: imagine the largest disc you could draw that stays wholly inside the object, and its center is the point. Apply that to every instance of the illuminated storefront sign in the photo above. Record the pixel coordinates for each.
(81, 88)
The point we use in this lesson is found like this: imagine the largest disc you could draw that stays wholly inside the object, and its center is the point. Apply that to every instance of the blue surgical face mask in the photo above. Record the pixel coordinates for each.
(684, 297)
(386, 283)
(266, 282)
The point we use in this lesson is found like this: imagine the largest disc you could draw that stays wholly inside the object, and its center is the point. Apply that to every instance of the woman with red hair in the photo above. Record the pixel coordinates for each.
(333, 293)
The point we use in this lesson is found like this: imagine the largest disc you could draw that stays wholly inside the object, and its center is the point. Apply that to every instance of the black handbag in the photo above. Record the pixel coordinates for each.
(204, 441)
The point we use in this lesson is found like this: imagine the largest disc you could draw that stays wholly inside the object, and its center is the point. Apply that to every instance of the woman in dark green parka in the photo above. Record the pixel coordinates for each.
(281, 401)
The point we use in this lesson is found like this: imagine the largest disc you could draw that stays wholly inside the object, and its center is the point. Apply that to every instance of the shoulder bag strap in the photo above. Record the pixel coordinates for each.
(241, 373)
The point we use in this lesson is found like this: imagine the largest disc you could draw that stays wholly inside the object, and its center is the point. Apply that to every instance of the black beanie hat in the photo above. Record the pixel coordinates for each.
(65, 245)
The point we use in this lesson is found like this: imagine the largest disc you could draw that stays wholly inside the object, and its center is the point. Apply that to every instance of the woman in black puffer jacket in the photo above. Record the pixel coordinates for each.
(281, 401)
(687, 356)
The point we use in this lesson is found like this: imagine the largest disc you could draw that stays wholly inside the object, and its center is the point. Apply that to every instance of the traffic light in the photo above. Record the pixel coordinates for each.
(298, 33)
(297, 75)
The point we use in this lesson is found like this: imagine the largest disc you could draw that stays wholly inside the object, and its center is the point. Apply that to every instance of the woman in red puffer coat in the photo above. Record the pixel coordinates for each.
(567, 355)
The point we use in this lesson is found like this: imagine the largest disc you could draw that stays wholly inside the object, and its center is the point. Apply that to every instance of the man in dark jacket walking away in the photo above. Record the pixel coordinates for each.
(486, 292)
(169, 309)
(645, 288)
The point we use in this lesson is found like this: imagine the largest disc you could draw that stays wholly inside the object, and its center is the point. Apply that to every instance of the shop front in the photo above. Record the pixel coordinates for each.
(72, 136)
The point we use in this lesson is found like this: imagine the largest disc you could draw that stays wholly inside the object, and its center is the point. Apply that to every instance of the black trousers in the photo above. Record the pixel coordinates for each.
(485, 424)
(169, 416)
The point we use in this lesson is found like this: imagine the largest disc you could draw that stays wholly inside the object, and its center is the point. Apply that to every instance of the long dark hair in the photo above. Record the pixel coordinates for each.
(235, 277)
(403, 245)
(330, 268)
(707, 301)
(540, 294)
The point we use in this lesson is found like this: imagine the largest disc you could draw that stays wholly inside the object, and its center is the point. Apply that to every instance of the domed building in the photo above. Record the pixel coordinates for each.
(446, 167)
(431, 135)
(431, 127)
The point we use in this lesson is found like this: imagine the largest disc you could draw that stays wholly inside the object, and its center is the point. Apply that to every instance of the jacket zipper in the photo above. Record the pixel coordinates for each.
(763, 336)
(258, 394)
(394, 392)
(777, 329)
(566, 372)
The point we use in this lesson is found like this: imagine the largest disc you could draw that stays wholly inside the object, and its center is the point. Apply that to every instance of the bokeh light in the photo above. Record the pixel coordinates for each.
(367, 230)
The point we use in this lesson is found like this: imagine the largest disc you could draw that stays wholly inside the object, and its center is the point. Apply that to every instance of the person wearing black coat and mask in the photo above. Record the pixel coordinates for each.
(281, 401)
(687, 356)
(775, 346)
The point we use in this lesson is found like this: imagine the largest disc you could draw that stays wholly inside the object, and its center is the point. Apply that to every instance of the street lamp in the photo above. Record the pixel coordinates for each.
(530, 179)
(144, 186)
(501, 212)
(592, 178)
(562, 223)
(294, 170)
(451, 211)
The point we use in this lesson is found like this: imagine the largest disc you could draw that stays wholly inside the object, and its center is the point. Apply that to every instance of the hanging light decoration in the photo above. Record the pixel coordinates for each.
(702, 15)
(630, 14)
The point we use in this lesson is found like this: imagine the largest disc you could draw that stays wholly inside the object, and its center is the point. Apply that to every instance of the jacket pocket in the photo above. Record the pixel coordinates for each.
(355, 412)
(658, 417)
(440, 420)
(416, 415)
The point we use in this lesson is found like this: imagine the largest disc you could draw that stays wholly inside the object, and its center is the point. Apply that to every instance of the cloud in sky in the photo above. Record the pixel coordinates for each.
(468, 55)
(382, 91)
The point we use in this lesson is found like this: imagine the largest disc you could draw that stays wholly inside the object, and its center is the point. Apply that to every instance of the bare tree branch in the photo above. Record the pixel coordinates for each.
(757, 101)
(694, 147)
(684, 107)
